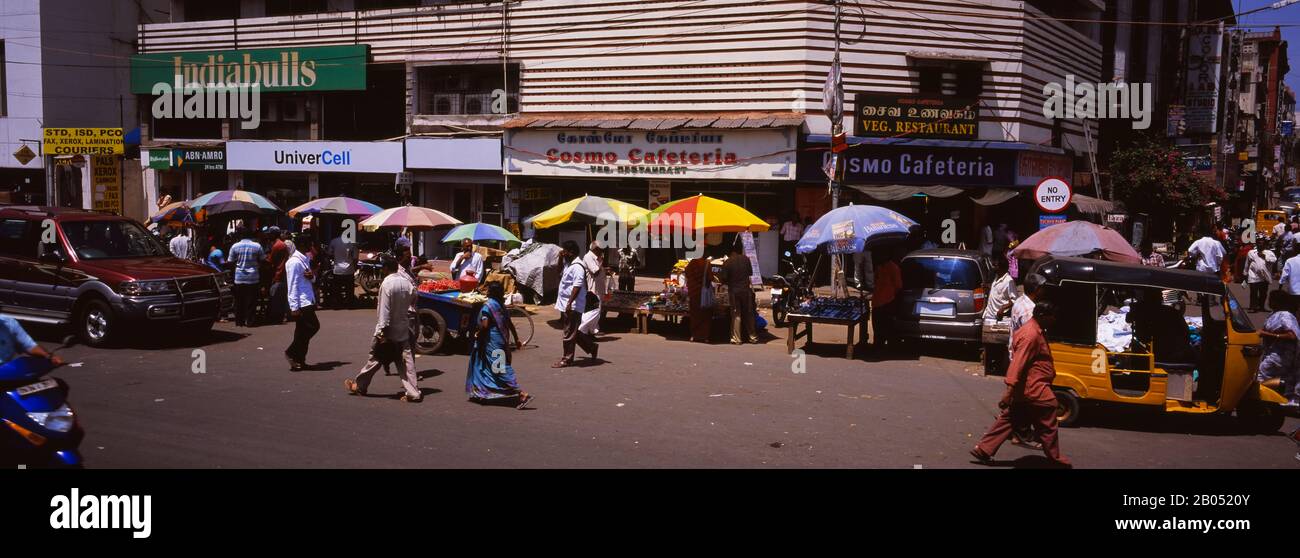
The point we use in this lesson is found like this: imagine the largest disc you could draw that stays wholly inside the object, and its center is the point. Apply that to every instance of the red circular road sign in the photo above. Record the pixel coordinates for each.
(1053, 195)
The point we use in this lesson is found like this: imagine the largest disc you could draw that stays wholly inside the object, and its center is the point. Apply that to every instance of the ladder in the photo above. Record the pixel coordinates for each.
(1092, 158)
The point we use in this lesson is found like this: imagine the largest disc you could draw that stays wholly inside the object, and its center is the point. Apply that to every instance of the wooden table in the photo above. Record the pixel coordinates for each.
(792, 330)
(643, 315)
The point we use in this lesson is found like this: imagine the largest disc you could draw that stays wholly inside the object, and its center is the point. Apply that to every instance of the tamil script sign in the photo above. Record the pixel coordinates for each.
(908, 116)
(330, 68)
(81, 141)
(763, 154)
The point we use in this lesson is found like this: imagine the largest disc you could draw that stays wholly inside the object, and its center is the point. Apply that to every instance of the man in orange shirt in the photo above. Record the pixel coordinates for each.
(1029, 396)
(889, 280)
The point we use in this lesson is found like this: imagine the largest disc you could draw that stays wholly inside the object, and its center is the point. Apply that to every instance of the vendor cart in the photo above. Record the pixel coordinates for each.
(436, 311)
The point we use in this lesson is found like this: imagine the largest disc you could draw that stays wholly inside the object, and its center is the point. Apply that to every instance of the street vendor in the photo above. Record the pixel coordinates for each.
(468, 263)
(736, 273)
(628, 263)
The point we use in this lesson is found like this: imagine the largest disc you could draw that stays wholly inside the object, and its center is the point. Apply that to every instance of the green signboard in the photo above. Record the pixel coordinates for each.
(330, 68)
(160, 158)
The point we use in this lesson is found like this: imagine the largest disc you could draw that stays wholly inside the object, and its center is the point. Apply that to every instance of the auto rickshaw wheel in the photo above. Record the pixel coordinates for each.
(1067, 408)
(1261, 417)
(430, 333)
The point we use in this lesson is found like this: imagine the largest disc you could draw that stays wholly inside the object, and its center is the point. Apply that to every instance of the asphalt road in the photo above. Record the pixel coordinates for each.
(652, 401)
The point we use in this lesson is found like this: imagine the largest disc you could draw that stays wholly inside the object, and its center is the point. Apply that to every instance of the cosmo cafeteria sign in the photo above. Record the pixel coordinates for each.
(766, 154)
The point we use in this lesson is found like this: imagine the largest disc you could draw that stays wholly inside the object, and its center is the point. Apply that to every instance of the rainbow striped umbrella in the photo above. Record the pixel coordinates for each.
(705, 214)
(479, 231)
(230, 201)
(340, 205)
(410, 217)
(175, 213)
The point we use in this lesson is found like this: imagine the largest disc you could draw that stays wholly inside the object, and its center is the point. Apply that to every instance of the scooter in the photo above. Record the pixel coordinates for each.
(789, 290)
(38, 427)
(369, 273)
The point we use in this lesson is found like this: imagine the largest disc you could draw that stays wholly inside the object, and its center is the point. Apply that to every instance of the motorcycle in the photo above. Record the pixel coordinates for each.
(789, 290)
(37, 426)
(369, 273)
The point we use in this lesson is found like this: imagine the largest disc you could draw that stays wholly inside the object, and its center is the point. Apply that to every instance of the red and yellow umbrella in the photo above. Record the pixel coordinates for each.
(705, 214)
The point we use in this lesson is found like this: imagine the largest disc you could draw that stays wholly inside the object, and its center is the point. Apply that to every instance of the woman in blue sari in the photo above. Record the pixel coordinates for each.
(491, 377)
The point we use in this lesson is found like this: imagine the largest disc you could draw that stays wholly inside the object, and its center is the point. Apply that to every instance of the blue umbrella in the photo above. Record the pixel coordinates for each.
(853, 228)
(479, 231)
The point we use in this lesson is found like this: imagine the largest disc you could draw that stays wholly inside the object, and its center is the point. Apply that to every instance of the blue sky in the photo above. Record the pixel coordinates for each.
(1265, 21)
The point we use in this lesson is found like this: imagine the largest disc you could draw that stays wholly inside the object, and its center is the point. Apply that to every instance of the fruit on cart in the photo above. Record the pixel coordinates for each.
(440, 285)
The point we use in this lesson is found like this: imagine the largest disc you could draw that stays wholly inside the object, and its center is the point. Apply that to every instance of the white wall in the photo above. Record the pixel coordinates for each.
(21, 33)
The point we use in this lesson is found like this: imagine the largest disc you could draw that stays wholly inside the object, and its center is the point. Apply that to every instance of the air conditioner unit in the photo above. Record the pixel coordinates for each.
(445, 103)
(293, 110)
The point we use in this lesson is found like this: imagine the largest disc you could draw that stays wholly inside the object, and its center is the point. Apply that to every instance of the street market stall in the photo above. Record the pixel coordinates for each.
(442, 311)
(846, 230)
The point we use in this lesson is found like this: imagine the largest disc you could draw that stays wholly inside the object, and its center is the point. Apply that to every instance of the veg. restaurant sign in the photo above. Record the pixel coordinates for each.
(914, 165)
(938, 117)
(761, 154)
(331, 68)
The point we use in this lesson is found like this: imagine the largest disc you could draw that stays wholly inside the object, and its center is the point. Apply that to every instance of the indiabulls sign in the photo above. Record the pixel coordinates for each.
(765, 154)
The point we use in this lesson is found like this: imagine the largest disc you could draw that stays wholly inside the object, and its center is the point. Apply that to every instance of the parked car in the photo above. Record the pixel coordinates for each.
(944, 293)
(101, 274)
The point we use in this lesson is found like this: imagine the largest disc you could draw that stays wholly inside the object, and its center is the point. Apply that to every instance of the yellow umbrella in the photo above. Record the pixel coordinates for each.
(588, 209)
(705, 214)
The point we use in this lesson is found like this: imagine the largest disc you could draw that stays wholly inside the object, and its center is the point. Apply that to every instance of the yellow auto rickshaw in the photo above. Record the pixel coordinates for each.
(1266, 219)
(1096, 362)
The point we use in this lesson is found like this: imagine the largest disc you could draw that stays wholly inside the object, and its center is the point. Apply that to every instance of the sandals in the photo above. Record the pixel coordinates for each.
(524, 400)
(352, 388)
(562, 364)
(409, 399)
(980, 456)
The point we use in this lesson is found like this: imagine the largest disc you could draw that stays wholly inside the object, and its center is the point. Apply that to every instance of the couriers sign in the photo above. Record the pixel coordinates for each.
(767, 154)
(332, 68)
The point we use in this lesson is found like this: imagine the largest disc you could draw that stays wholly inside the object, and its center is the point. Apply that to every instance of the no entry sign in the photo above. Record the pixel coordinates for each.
(1053, 195)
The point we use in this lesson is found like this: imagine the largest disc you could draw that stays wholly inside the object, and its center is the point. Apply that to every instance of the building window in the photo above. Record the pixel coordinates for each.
(930, 80)
(465, 90)
(295, 7)
(970, 81)
(207, 10)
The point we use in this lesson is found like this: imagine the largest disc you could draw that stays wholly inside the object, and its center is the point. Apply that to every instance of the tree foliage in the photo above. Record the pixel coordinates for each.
(1150, 177)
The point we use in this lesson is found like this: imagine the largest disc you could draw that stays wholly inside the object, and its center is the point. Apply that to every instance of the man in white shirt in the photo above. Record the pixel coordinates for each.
(1207, 252)
(1001, 297)
(1258, 263)
(302, 301)
(467, 263)
(392, 334)
(345, 265)
(571, 302)
(1290, 280)
(180, 246)
(598, 284)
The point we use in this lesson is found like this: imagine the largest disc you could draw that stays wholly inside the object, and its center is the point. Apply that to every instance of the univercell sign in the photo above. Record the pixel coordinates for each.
(315, 156)
(765, 154)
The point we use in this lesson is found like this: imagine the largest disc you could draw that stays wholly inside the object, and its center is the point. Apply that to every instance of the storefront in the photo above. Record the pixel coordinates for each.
(945, 185)
(290, 173)
(747, 159)
(459, 176)
(182, 171)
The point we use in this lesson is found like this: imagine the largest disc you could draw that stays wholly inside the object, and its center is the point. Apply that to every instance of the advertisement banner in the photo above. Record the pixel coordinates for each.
(315, 156)
(81, 141)
(330, 68)
(1204, 52)
(939, 117)
(199, 159)
(921, 166)
(1033, 166)
(762, 154)
(160, 158)
(105, 184)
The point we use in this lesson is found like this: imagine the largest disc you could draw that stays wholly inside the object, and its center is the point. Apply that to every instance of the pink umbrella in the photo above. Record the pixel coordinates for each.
(409, 217)
(1077, 238)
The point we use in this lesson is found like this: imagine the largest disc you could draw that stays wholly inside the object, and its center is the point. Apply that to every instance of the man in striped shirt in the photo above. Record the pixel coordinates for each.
(246, 255)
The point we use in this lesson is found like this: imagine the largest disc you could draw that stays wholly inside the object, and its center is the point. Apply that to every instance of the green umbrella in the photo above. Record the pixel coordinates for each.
(479, 231)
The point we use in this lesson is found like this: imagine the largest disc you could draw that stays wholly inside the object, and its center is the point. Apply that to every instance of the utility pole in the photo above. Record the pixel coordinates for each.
(833, 98)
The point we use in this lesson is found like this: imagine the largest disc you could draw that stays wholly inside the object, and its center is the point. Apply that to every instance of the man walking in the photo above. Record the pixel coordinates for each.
(1207, 252)
(392, 334)
(597, 284)
(571, 302)
(181, 245)
(278, 305)
(1002, 296)
(1029, 394)
(246, 256)
(1258, 264)
(736, 272)
(302, 301)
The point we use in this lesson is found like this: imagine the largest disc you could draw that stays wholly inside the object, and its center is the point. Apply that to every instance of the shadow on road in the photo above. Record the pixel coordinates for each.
(1154, 420)
(324, 366)
(156, 340)
(1025, 462)
(425, 374)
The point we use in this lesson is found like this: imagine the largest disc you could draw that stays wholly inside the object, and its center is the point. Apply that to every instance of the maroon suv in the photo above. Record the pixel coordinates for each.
(105, 275)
